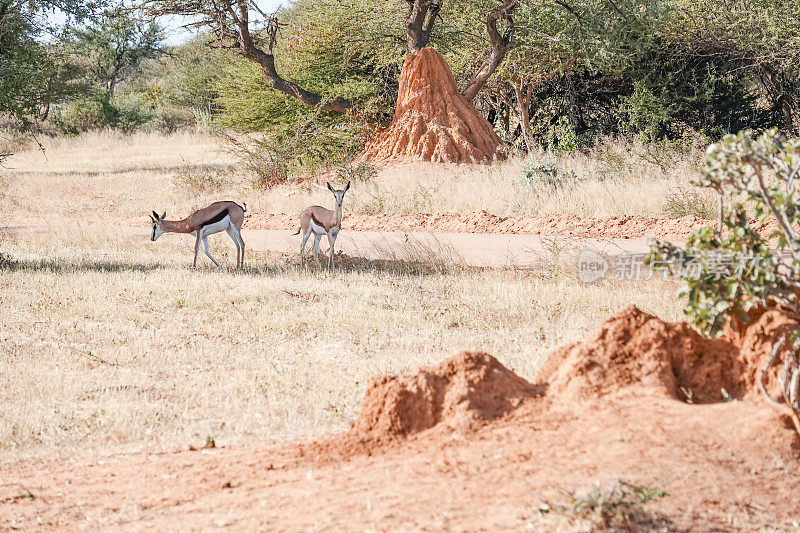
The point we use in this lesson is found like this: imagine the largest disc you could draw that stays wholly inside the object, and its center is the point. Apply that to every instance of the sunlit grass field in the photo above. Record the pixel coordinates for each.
(110, 175)
(110, 343)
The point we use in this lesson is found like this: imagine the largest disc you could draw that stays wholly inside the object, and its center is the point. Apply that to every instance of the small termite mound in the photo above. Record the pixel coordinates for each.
(637, 350)
(465, 391)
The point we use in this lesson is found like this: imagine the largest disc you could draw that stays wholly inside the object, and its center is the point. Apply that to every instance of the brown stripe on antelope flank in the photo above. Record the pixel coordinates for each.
(216, 218)
(317, 222)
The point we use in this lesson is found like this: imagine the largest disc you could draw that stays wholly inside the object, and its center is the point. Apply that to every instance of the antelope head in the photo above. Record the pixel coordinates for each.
(338, 195)
(157, 229)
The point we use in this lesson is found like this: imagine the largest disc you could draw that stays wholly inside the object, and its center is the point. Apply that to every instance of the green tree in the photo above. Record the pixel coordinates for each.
(114, 46)
(744, 265)
(32, 72)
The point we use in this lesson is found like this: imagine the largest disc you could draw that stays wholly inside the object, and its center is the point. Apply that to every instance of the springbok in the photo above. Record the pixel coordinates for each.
(321, 221)
(219, 216)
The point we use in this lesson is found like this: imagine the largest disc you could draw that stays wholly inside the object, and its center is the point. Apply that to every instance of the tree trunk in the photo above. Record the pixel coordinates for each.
(523, 104)
(419, 24)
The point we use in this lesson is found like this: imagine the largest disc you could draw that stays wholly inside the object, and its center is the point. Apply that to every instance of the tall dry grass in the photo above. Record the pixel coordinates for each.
(107, 175)
(109, 344)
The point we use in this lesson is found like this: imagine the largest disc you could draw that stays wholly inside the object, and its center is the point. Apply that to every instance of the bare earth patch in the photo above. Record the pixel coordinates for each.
(623, 227)
(726, 465)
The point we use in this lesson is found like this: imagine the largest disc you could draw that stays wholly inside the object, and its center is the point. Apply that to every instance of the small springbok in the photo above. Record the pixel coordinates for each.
(219, 216)
(321, 221)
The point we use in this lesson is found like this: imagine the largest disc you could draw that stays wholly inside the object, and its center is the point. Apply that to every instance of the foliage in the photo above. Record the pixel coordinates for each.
(580, 70)
(292, 151)
(108, 51)
(34, 74)
(655, 70)
(97, 111)
(622, 503)
(114, 46)
(730, 273)
(334, 48)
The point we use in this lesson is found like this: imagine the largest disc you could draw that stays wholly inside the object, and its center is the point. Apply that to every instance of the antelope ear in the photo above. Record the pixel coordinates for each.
(155, 215)
(328, 183)
(346, 187)
(164, 215)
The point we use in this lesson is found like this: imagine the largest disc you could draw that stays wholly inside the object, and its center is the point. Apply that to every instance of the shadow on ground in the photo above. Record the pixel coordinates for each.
(262, 265)
(9, 264)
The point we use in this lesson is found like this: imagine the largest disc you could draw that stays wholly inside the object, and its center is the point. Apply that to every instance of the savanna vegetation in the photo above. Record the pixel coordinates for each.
(571, 71)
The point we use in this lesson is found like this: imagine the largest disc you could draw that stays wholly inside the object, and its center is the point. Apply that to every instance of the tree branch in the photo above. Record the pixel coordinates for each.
(230, 20)
(784, 224)
(419, 23)
(501, 44)
(571, 10)
(267, 62)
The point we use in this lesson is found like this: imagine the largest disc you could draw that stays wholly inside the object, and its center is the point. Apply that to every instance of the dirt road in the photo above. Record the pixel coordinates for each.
(494, 250)
(472, 249)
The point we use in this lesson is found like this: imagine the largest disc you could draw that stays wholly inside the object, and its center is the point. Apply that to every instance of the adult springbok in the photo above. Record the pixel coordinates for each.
(321, 221)
(219, 216)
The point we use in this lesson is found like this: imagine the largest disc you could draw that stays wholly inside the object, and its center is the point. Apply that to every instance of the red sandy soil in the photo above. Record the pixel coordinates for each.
(622, 227)
(432, 120)
(468, 445)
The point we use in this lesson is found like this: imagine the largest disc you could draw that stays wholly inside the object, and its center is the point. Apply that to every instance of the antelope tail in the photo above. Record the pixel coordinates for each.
(298, 231)
(245, 207)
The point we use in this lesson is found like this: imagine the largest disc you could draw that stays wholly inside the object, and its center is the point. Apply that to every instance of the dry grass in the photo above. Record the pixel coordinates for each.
(109, 344)
(116, 347)
(108, 175)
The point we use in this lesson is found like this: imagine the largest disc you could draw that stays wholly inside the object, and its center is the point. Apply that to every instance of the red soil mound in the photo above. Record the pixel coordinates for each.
(432, 120)
(622, 227)
(631, 351)
(635, 349)
(464, 391)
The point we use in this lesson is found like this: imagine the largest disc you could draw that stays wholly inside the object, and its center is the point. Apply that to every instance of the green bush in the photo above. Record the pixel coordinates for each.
(83, 114)
(126, 113)
(730, 272)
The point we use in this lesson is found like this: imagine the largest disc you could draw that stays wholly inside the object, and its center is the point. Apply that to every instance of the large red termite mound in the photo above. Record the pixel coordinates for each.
(433, 121)
(631, 352)
(635, 349)
(464, 391)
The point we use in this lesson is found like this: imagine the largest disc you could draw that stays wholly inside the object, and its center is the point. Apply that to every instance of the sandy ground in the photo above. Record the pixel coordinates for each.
(475, 249)
(717, 462)
(469, 446)
(621, 227)
(481, 241)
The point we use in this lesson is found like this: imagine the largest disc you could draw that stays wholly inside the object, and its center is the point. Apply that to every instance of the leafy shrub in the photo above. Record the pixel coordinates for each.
(83, 114)
(126, 113)
(294, 151)
(268, 162)
(618, 506)
(730, 273)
